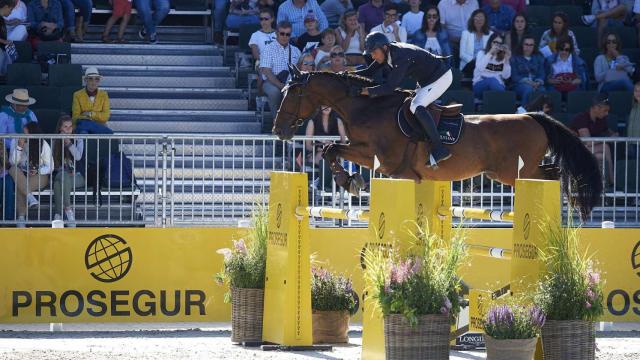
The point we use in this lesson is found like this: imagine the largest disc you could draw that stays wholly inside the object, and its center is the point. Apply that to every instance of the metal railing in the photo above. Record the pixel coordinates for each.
(216, 180)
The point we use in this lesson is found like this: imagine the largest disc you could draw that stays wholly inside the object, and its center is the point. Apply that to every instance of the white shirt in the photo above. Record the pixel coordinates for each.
(433, 46)
(563, 66)
(19, 12)
(454, 16)
(388, 32)
(20, 157)
(412, 21)
(354, 43)
(636, 7)
(262, 39)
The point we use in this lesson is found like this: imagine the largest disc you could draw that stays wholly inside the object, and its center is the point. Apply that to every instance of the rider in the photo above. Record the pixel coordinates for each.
(431, 72)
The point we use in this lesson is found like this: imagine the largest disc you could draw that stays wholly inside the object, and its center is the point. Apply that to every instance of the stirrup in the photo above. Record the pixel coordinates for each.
(432, 161)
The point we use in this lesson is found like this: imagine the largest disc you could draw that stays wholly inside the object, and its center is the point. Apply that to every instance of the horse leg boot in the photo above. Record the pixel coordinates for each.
(352, 183)
(438, 151)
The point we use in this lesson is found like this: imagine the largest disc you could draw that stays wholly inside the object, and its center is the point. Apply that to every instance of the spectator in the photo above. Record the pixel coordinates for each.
(593, 123)
(242, 12)
(274, 64)
(121, 10)
(518, 6)
(527, 69)
(500, 16)
(7, 186)
(295, 11)
(322, 52)
(350, 35)
(151, 21)
(455, 15)
(334, 10)
(633, 122)
(326, 123)
(519, 28)
(559, 29)
(16, 31)
(605, 13)
(492, 66)
(412, 20)
(390, 27)
(307, 63)
(311, 38)
(431, 36)
(612, 70)
(46, 20)
(219, 16)
(265, 36)
(566, 71)
(371, 14)
(66, 177)
(5, 58)
(91, 109)
(541, 102)
(31, 165)
(473, 40)
(268, 4)
(76, 27)
(338, 62)
(17, 114)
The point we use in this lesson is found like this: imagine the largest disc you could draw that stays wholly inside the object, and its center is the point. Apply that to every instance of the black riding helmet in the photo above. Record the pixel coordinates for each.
(375, 40)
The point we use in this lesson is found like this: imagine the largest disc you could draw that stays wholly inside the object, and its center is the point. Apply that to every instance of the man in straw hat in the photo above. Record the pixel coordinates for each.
(91, 109)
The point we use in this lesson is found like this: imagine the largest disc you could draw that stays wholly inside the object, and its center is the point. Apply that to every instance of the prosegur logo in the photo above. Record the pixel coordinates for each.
(108, 258)
(635, 258)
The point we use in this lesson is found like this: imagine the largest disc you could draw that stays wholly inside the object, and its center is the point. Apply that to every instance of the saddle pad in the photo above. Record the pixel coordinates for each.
(450, 129)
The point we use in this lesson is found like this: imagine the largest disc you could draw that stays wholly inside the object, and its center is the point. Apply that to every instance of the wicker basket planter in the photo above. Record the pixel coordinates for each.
(330, 327)
(510, 349)
(571, 339)
(429, 339)
(246, 315)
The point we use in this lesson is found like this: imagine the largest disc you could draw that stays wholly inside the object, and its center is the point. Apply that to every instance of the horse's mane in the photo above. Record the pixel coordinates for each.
(344, 77)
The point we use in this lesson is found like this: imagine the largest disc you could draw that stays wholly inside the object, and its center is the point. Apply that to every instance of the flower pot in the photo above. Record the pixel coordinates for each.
(330, 327)
(429, 339)
(569, 339)
(246, 315)
(510, 349)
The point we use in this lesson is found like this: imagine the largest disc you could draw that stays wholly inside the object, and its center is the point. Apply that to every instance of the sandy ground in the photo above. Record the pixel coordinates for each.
(156, 341)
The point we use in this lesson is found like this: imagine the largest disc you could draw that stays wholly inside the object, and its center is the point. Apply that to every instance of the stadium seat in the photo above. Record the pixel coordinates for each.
(464, 97)
(499, 102)
(66, 97)
(537, 31)
(25, 52)
(614, 121)
(65, 75)
(573, 13)
(633, 54)
(102, 4)
(24, 74)
(245, 35)
(189, 5)
(54, 47)
(46, 97)
(556, 99)
(579, 101)
(620, 102)
(586, 37)
(627, 173)
(627, 34)
(562, 117)
(48, 119)
(538, 16)
(589, 56)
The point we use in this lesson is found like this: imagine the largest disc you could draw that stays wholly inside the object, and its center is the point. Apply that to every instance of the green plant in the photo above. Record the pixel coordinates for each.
(570, 287)
(513, 322)
(423, 281)
(245, 264)
(330, 292)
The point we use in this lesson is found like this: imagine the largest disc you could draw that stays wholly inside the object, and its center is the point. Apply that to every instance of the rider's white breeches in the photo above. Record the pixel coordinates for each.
(432, 92)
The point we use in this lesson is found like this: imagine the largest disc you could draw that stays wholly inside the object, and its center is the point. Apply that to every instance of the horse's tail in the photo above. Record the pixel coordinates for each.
(579, 172)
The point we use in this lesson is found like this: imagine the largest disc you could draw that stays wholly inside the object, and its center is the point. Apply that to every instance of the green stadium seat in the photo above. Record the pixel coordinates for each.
(633, 54)
(589, 56)
(562, 117)
(538, 15)
(66, 97)
(537, 31)
(245, 35)
(189, 5)
(586, 37)
(579, 101)
(24, 74)
(54, 47)
(46, 97)
(621, 102)
(464, 97)
(25, 52)
(65, 75)
(48, 119)
(499, 102)
(556, 99)
(102, 4)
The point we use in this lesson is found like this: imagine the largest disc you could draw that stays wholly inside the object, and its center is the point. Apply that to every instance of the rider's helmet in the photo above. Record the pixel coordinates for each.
(375, 40)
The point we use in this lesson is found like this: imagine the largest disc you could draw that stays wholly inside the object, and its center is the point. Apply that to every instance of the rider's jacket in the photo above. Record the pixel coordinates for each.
(406, 61)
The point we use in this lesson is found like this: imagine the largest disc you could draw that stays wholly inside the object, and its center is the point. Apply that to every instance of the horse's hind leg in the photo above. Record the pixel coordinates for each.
(352, 183)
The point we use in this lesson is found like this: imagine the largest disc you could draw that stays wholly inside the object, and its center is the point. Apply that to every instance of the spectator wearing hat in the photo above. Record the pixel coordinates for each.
(151, 19)
(334, 9)
(121, 9)
(390, 27)
(16, 115)
(16, 31)
(294, 11)
(46, 19)
(91, 109)
(242, 12)
(311, 38)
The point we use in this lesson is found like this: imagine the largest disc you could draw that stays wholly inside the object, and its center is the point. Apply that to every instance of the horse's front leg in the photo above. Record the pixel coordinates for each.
(352, 183)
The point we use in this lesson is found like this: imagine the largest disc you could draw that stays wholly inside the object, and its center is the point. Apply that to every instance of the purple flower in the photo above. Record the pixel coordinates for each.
(587, 305)
(447, 303)
(227, 253)
(594, 278)
(444, 311)
(591, 295)
(240, 246)
(537, 316)
(417, 266)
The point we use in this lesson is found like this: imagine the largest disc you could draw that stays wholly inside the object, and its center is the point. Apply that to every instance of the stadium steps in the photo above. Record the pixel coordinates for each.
(184, 121)
(166, 34)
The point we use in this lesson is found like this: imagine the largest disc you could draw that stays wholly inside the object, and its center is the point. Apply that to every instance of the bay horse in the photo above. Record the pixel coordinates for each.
(489, 144)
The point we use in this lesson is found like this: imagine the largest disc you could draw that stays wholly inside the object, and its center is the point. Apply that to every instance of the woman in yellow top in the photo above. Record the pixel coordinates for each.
(91, 109)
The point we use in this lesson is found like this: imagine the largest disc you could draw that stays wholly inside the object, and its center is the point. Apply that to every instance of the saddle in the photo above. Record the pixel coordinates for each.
(449, 121)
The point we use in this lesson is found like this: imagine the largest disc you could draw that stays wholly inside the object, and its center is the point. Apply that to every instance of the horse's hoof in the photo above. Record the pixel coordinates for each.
(356, 183)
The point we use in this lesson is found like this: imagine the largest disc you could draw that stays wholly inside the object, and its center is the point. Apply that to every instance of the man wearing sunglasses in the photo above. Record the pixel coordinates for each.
(390, 26)
(404, 61)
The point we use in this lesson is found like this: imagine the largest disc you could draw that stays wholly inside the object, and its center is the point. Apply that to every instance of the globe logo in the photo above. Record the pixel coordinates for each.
(108, 258)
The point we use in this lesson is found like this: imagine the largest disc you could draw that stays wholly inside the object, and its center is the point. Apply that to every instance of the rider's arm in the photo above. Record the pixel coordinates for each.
(394, 80)
(369, 71)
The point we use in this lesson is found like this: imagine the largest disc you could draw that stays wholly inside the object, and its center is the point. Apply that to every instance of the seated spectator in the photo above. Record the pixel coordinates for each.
(121, 10)
(16, 31)
(334, 9)
(295, 11)
(492, 66)
(307, 63)
(219, 16)
(31, 166)
(474, 39)
(499, 16)
(350, 35)
(519, 28)
(613, 70)
(16, 115)
(527, 70)
(311, 38)
(326, 123)
(7, 186)
(605, 13)
(566, 71)
(559, 29)
(431, 36)
(261, 38)
(338, 62)
(151, 20)
(45, 19)
(5, 58)
(371, 14)
(274, 65)
(76, 26)
(390, 26)
(633, 122)
(412, 20)
(593, 123)
(327, 42)
(91, 109)
(66, 176)
(242, 12)
(454, 16)
(518, 6)
(541, 103)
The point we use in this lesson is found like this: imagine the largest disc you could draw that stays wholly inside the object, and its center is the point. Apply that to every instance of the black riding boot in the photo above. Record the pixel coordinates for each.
(438, 151)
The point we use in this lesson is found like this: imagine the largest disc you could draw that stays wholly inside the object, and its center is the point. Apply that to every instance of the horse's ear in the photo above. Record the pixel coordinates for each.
(295, 72)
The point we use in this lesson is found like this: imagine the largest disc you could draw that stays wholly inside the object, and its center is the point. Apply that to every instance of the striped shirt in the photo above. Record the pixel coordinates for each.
(295, 15)
(276, 57)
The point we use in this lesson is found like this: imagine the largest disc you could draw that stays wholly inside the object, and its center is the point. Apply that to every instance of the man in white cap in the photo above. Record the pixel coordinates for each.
(91, 109)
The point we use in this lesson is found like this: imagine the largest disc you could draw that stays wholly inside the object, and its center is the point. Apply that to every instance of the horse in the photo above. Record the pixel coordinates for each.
(489, 144)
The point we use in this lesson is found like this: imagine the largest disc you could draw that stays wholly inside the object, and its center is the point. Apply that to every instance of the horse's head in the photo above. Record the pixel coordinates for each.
(296, 105)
